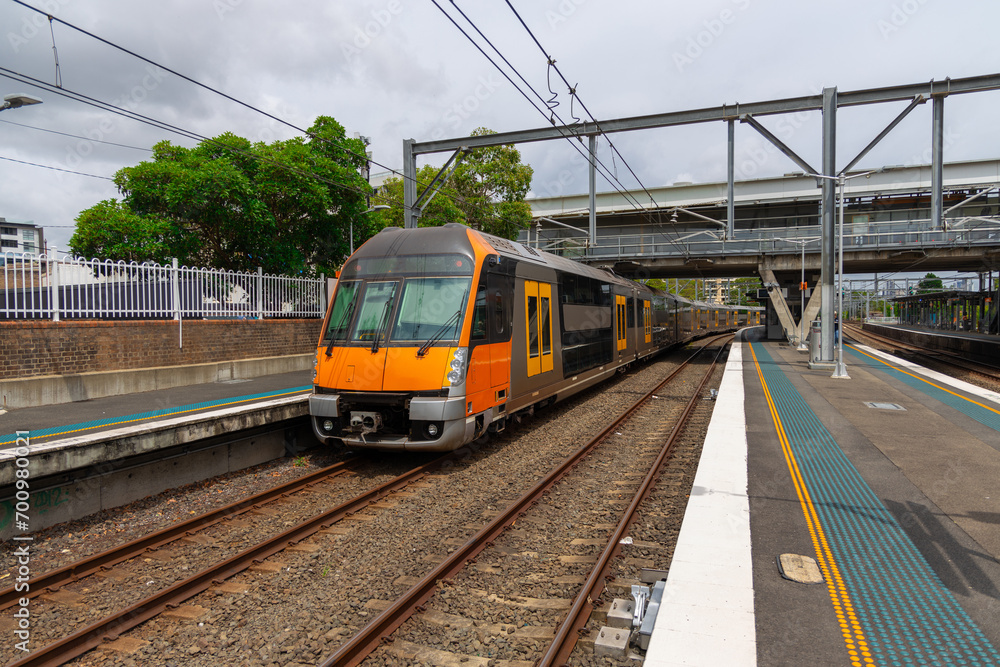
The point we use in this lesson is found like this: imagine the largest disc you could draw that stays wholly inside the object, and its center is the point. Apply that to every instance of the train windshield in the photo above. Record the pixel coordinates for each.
(374, 310)
(342, 310)
(431, 308)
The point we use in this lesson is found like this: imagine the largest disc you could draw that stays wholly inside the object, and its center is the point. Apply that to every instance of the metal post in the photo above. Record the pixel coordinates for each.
(260, 292)
(175, 285)
(802, 301)
(410, 213)
(592, 169)
(841, 371)
(827, 243)
(937, 164)
(54, 283)
(730, 185)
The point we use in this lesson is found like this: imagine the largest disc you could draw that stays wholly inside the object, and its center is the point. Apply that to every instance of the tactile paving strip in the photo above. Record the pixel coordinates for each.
(905, 613)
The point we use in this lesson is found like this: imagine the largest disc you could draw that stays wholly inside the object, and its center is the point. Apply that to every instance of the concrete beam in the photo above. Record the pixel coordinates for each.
(780, 305)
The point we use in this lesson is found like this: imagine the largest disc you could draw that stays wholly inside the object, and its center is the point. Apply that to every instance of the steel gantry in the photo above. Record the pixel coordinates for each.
(828, 102)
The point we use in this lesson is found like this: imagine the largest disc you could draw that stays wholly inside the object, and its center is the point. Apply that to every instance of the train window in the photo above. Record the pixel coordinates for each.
(342, 309)
(546, 325)
(374, 310)
(431, 308)
(498, 314)
(533, 323)
(479, 314)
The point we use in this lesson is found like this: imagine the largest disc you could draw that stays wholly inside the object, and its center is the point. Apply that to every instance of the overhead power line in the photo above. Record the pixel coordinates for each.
(45, 166)
(200, 84)
(80, 97)
(549, 114)
(76, 136)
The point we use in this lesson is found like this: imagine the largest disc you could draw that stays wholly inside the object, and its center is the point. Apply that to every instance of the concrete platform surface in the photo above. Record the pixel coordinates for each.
(887, 480)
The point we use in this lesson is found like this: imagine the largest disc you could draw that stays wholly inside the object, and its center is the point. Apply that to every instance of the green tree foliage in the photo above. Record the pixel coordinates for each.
(232, 204)
(486, 192)
(930, 283)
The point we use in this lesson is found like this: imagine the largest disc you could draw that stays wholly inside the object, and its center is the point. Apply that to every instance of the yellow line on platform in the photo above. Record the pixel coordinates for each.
(850, 628)
(923, 379)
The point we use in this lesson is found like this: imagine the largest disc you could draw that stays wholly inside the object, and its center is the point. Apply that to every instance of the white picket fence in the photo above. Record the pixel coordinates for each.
(54, 287)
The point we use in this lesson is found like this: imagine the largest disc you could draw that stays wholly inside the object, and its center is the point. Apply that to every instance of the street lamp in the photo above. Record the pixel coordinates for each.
(379, 207)
(841, 178)
(802, 291)
(18, 100)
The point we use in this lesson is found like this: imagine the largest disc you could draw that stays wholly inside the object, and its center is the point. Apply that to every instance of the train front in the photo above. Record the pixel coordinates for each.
(391, 363)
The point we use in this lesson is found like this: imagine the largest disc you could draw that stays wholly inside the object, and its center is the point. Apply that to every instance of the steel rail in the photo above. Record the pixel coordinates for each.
(940, 356)
(112, 626)
(579, 614)
(364, 642)
(51, 581)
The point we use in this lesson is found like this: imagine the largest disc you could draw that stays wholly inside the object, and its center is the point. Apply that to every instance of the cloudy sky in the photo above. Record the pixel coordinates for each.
(396, 69)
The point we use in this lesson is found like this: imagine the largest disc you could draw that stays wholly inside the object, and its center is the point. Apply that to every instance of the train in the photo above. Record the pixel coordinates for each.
(436, 335)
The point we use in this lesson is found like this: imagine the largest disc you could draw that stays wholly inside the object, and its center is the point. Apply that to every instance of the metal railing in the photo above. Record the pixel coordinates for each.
(895, 235)
(49, 287)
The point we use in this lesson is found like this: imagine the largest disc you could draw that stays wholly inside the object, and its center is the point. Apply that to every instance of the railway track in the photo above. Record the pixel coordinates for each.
(122, 620)
(947, 362)
(256, 558)
(638, 442)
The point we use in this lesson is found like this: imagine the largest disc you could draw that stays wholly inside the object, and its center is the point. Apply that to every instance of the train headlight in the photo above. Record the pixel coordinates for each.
(456, 375)
(328, 425)
(432, 430)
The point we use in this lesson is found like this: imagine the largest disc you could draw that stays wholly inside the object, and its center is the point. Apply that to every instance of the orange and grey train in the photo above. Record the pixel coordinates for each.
(435, 335)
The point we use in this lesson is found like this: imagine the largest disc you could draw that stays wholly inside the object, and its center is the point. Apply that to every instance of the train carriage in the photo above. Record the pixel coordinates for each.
(435, 335)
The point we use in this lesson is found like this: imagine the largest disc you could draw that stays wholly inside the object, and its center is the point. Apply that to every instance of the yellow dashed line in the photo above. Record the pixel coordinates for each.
(172, 414)
(850, 628)
(924, 379)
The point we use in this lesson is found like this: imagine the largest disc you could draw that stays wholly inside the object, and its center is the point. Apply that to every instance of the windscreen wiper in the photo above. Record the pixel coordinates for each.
(340, 325)
(381, 325)
(454, 319)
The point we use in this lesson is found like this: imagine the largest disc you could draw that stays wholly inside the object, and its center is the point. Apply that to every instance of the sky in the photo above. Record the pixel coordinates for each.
(397, 69)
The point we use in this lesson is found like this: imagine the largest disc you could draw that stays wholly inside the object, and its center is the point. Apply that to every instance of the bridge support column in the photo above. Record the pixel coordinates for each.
(780, 304)
(827, 254)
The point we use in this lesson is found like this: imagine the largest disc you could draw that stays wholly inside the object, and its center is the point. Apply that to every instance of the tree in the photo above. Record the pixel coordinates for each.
(232, 204)
(486, 192)
(930, 283)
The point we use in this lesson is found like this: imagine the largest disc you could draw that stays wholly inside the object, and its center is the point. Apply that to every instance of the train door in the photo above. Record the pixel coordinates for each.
(500, 300)
(538, 315)
(647, 321)
(630, 317)
(620, 321)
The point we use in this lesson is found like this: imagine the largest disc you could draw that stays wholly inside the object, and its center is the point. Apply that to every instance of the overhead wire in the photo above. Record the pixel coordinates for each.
(104, 106)
(76, 136)
(45, 166)
(551, 109)
(200, 84)
(573, 95)
(599, 165)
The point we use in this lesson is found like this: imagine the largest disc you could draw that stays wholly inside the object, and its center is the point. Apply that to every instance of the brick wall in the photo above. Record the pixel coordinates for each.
(38, 347)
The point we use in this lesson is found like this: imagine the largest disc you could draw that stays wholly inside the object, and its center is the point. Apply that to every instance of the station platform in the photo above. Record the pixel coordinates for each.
(101, 453)
(887, 480)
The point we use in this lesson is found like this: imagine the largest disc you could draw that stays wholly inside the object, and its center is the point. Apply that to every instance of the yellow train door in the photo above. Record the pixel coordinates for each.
(538, 315)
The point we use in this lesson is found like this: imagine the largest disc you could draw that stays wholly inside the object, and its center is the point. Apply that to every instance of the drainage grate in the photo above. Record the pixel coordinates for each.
(885, 406)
